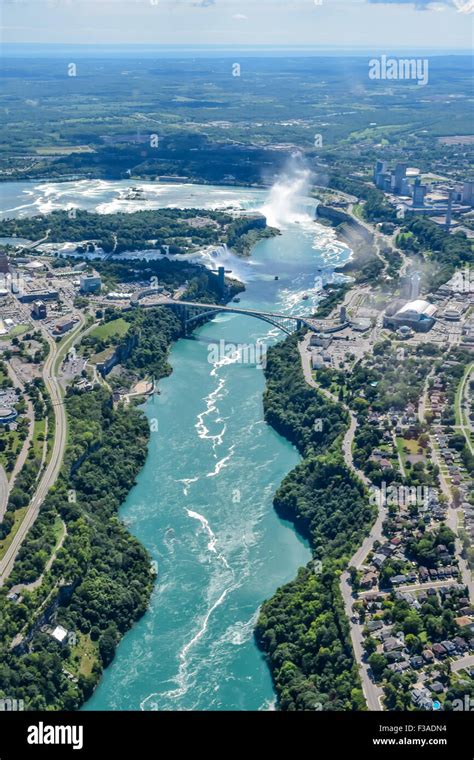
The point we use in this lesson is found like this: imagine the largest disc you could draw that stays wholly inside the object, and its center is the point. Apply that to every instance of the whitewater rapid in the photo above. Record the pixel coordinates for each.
(284, 205)
(202, 504)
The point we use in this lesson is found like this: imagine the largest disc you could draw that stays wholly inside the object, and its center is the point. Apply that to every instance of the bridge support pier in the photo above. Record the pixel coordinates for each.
(181, 312)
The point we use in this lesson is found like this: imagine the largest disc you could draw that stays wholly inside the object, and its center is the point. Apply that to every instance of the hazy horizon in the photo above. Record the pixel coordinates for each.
(327, 24)
(123, 50)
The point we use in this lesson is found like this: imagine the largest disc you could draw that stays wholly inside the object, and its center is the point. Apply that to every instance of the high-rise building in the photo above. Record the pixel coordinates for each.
(39, 310)
(419, 192)
(380, 173)
(379, 168)
(4, 266)
(467, 195)
(405, 186)
(398, 176)
(449, 211)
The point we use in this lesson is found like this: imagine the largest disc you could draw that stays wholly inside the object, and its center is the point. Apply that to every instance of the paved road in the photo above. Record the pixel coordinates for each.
(425, 586)
(453, 515)
(463, 395)
(408, 588)
(60, 433)
(372, 692)
(464, 662)
(452, 519)
(35, 243)
(20, 587)
(52, 470)
(423, 401)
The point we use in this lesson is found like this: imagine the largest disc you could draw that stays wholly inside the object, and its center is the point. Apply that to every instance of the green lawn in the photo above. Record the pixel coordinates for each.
(58, 531)
(38, 445)
(115, 327)
(400, 448)
(19, 515)
(15, 332)
(83, 656)
(457, 398)
(102, 356)
(49, 444)
(411, 444)
(357, 211)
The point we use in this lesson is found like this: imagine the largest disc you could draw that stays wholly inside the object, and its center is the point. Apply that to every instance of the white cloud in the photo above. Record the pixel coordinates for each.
(348, 24)
(464, 6)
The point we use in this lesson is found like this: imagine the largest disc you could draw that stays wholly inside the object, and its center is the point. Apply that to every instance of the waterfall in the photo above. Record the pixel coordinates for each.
(288, 200)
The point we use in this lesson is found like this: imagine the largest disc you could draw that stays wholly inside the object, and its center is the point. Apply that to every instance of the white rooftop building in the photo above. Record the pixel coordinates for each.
(419, 315)
(418, 309)
(60, 634)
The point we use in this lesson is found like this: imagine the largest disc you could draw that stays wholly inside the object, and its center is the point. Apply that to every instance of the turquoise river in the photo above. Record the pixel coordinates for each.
(202, 504)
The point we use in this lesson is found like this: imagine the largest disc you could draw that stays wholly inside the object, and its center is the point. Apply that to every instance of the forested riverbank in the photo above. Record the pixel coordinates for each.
(100, 582)
(167, 231)
(223, 593)
(101, 579)
(302, 628)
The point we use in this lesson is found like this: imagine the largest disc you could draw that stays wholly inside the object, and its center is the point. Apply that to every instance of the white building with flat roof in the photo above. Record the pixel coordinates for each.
(418, 309)
(60, 634)
(418, 314)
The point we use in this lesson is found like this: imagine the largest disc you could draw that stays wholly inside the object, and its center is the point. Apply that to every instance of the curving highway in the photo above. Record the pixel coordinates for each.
(52, 470)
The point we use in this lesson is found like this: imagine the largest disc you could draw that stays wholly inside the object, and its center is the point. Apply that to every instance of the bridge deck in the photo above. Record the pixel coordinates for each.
(234, 309)
(272, 317)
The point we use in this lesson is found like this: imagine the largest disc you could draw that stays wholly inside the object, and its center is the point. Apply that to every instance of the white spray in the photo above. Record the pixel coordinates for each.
(288, 198)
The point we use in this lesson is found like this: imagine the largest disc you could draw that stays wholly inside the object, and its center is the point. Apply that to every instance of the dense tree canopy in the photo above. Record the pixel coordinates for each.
(302, 628)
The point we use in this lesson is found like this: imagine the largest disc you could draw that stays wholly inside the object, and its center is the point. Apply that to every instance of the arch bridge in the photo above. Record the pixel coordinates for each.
(191, 313)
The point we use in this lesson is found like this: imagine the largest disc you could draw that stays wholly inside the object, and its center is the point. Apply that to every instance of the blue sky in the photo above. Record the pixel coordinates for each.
(328, 23)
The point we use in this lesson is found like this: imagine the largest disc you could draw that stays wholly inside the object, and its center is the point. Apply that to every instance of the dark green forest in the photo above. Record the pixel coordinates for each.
(302, 628)
(101, 579)
(167, 230)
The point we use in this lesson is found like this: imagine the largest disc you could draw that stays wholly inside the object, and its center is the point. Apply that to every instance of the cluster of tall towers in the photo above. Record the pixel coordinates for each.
(391, 181)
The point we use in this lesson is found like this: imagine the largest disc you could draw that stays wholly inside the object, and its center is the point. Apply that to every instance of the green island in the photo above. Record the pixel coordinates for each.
(166, 231)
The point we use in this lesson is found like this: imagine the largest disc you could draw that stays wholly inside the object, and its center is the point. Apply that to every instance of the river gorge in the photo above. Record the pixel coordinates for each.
(202, 504)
